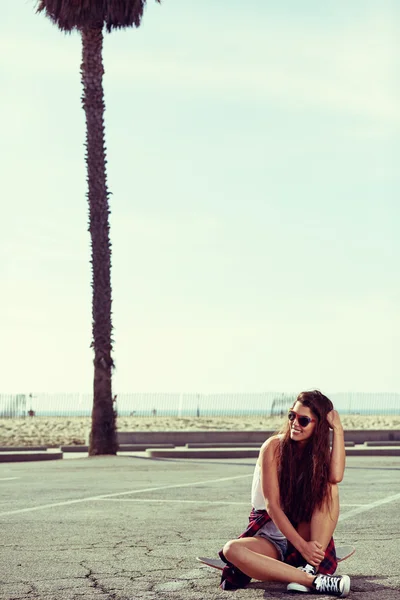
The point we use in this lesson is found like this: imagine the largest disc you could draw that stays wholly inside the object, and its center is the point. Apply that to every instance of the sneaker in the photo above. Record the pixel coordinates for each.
(332, 584)
(298, 587)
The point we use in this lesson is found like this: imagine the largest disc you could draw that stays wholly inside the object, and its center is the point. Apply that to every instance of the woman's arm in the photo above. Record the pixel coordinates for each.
(338, 454)
(311, 551)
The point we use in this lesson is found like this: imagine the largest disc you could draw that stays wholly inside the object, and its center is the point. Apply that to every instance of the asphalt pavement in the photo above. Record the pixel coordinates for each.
(130, 527)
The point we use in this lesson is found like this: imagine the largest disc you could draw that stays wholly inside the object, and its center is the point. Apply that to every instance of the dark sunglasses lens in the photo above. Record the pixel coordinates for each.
(303, 421)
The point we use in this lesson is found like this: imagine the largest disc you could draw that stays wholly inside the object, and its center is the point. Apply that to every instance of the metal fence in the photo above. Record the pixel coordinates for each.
(188, 404)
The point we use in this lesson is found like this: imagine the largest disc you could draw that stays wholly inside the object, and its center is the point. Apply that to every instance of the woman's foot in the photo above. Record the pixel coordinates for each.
(298, 587)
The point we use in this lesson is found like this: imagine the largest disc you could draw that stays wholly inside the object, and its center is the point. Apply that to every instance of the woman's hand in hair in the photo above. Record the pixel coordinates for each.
(334, 420)
(313, 553)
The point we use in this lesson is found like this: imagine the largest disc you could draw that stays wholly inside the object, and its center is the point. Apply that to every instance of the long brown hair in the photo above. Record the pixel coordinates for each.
(304, 472)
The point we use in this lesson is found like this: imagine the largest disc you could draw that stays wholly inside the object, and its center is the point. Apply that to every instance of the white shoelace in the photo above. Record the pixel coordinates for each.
(308, 569)
(325, 583)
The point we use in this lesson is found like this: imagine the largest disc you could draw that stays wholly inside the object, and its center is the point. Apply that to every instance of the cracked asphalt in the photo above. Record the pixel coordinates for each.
(130, 527)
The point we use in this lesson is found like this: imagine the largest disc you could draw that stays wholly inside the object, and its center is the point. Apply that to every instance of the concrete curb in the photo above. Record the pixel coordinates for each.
(208, 444)
(382, 443)
(23, 448)
(77, 448)
(122, 447)
(250, 445)
(376, 451)
(29, 456)
(256, 438)
(205, 445)
(180, 438)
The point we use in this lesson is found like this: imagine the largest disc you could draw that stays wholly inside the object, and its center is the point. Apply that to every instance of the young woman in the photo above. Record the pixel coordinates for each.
(295, 503)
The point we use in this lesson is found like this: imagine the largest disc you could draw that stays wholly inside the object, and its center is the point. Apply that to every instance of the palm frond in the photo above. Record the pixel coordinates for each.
(78, 14)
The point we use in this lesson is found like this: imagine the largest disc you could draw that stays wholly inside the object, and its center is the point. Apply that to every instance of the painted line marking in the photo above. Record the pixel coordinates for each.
(366, 507)
(8, 478)
(164, 501)
(161, 500)
(91, 498)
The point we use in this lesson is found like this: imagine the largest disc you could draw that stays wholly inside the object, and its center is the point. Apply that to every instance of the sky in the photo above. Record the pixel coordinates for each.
(253, 164)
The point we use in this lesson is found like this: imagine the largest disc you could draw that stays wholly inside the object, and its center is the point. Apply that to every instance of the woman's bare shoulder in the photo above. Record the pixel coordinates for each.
(270, 446)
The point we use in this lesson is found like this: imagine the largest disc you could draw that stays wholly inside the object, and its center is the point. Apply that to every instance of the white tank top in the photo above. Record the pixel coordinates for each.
(258, 502)
(257, 497)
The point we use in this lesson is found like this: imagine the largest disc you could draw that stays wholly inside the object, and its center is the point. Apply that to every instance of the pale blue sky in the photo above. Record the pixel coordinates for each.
(253, 161)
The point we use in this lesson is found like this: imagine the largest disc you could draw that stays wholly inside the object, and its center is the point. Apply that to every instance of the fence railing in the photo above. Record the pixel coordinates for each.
(188, 404)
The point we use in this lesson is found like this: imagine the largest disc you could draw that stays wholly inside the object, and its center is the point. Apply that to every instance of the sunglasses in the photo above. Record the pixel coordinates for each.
(302, 420)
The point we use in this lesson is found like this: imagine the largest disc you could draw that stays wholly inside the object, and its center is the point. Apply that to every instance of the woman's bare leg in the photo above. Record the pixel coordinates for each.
(258, 558)
(324, 520)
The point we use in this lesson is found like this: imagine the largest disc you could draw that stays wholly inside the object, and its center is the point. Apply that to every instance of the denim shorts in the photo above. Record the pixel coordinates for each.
(267, 532)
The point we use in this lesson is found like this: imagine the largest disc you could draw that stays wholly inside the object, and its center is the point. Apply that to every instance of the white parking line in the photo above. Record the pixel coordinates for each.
(90, 498)
(360, 508)
(161, 500)
(8, 478)
(366, 507)
(164, 501)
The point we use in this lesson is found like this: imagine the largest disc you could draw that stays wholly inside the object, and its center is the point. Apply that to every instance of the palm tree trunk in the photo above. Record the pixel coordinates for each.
(103, 433)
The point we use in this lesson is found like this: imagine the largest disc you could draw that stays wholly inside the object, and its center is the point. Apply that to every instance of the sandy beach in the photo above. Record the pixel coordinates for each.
(57, 431)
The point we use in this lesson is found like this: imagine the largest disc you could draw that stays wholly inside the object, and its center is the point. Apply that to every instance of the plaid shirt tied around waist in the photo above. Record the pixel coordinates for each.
(233, 578)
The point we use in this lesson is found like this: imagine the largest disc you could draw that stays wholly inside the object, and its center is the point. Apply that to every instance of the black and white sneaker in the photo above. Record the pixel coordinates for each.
(298, 587)
(332, 584)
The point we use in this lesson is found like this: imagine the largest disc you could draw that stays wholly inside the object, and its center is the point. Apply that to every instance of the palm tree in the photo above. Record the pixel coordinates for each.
(89, 17)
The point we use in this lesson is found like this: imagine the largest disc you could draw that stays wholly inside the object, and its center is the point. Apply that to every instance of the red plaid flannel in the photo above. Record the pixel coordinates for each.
(233, 578)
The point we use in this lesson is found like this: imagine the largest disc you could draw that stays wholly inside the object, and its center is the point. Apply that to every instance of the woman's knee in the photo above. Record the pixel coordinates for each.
(229, 549)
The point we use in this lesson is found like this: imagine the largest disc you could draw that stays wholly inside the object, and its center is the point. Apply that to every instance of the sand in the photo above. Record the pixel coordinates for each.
(58, 431)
